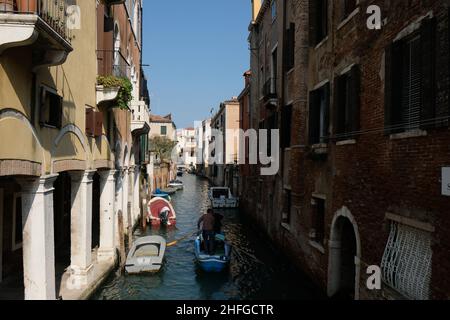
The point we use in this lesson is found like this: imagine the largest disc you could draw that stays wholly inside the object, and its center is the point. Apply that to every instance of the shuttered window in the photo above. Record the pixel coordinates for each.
(347, 104)
(319, 105)
(406, 263)
(318, 17)
(289, 56)
(410, 85)
(50, 114)
(411, 99)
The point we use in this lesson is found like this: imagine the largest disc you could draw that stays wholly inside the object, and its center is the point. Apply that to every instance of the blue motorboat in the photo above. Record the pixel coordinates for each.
(159, 194)
(216, 262)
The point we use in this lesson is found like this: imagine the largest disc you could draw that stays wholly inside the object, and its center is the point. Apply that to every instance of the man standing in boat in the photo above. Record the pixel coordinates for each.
(208, 225)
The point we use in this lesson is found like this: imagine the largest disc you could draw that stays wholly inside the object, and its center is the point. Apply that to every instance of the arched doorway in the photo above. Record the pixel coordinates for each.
(344, 257)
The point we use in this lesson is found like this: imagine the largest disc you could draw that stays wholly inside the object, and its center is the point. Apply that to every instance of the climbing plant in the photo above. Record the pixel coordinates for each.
(125, 89)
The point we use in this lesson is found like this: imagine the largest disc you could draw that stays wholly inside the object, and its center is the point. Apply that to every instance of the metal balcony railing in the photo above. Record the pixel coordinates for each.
(113, 63)
(53, 12)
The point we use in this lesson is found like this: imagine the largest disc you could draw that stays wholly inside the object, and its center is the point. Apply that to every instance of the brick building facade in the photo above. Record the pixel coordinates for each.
(363, 116)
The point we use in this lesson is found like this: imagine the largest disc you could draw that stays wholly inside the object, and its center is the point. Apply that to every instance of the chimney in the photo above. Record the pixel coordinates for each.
(256, 6)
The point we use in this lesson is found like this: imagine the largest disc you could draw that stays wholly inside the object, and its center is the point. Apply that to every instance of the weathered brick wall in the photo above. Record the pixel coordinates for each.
(374, 175)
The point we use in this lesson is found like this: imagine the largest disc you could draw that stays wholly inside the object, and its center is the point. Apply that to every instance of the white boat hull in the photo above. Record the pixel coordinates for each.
(146, 255)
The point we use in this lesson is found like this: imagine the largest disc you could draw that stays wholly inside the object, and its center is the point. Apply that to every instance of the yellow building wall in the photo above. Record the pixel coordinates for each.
(75, 81)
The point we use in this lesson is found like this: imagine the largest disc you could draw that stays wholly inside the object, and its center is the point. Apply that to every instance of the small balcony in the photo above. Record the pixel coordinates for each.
(40, 24)
(269, 91)
(140, 119)
(111, 63)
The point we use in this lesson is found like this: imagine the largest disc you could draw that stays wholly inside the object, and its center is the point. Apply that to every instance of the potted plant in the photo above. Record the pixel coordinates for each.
(6, 5)
(27, 5)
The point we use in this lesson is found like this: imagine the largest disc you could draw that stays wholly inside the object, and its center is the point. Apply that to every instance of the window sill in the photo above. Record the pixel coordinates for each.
(349, 17)
(44, 125)
(346, 142)
(286, 226)
(317, 246)
(320, 148)
(409, 134)
(290, 71)
(321, 43)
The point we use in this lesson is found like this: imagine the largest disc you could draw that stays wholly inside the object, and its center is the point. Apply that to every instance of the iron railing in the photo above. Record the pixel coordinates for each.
(53, 12)
(113, 63)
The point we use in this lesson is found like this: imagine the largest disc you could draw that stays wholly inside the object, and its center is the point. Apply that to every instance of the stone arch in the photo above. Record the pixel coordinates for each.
(71, 129)
(342, 219)
(29, 166)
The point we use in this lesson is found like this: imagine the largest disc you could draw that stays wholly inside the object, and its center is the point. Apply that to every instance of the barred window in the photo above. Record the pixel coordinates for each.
(406, 261)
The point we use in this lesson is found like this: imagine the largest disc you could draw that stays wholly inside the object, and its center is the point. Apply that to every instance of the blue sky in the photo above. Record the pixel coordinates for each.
(197, 52)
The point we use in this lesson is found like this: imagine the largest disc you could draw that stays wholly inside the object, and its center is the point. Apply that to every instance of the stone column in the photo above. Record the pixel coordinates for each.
(125, 185)
(118, 205)
(38, 238)
(107, 250)
(131, 177)
(137, 192)
(81, 229)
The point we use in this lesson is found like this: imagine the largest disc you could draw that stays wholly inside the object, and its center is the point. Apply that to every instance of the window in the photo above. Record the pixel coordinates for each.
(406, 263)
(17, 232)
(50, 108)
(318, 220)
(289, 57)
(318, 11)
(274, 10)
(348, 6)
(163, 130)
(319, 105)
(286, 219)
(286, 126)
(410, 81)
(347, 104)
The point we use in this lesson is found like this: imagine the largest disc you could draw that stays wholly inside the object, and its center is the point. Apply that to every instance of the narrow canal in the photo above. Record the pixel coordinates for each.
(256, 270)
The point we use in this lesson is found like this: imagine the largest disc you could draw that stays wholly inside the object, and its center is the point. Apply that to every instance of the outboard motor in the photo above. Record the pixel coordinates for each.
(164, 217)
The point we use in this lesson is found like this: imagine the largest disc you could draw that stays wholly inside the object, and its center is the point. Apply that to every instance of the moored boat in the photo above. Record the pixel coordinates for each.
(146, 255)
(160, 194)
(221, 197)
(161, 212)
(178, 184)
(216, 262)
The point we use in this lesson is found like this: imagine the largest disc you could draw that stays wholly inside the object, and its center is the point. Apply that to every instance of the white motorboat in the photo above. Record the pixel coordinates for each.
(221, 197)
(178, 184)
(146, 255)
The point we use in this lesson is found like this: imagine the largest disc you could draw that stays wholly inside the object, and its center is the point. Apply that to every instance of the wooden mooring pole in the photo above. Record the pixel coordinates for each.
(121, 242)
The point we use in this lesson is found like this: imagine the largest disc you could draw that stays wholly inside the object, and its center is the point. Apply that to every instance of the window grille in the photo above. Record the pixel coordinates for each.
(406, 262)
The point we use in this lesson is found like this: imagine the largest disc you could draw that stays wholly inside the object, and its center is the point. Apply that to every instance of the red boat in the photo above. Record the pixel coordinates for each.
(161, 212)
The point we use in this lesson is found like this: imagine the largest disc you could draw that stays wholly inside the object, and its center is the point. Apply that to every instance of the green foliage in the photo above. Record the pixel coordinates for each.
(125, 89)
(162, 147)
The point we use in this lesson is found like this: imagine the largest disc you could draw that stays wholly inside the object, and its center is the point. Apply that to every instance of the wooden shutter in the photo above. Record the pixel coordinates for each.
(392, 89)
(98, 130)
(90, 122)
(312, 22)
(428, 40)
(355, 99)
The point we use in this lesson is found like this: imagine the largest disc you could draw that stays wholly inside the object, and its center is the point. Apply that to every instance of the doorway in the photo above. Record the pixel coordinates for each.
(343, 268)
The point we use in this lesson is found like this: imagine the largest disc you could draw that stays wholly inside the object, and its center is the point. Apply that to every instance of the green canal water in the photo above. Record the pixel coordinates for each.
(256, 270)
